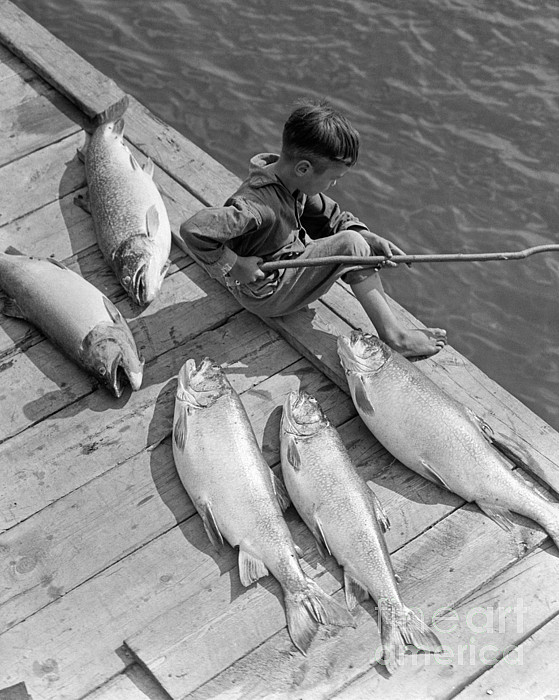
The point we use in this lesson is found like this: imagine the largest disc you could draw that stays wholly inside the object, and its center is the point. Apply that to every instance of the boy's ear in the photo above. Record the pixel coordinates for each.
(303, 167)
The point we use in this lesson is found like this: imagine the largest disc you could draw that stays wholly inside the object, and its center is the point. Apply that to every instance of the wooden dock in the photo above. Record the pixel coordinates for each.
(109, 587)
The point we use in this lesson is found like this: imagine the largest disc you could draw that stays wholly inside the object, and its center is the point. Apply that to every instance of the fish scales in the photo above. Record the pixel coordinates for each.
(347, 521)
(432, 433)
(233, 489)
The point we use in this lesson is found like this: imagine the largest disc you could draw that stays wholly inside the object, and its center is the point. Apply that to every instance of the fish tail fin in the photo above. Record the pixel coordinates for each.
(307, 608)
(399, 628)
(551, 522)
(113, 113)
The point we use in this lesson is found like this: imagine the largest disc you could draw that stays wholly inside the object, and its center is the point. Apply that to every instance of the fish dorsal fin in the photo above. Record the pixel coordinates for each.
(134, 163)
(320, 537)
(10, 308)
(281, 492)
(293, 456)
(152, 221)
(113, 312)
(380, 513)
(431, 474)
(59, 264)
(354, 591)
(81, 153)
(250, 567)
(210, 525)
(362, 399)
(149, 167)
(10, 250)
(501, 516)
(180, 427)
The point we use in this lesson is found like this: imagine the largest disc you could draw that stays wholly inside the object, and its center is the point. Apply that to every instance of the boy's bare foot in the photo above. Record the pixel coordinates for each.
(417, 342)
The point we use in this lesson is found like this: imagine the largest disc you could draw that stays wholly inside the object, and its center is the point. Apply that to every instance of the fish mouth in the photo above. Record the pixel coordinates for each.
(145, 284)
(122, 374)
(303, 414)
(202, 386)
(363, 352)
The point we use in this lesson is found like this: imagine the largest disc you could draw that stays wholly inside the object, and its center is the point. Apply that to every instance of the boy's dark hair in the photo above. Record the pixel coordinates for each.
(315, 131)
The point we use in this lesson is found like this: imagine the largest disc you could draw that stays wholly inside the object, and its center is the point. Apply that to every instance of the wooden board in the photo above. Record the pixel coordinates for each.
(527, 671)
(63, 68)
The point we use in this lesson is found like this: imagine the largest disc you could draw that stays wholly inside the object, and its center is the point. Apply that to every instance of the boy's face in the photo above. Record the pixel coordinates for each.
(311, 182)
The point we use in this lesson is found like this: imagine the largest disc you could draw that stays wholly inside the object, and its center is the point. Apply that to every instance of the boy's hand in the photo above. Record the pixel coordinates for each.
(247, 270)
(381, 246)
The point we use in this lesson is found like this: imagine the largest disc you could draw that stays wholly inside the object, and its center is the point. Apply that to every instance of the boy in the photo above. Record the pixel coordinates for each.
(279, 212)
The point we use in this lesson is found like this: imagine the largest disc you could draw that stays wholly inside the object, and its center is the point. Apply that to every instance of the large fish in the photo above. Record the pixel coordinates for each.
(436, 436)
(129, 216)
(236, 494)
(74, 315)
(347, 521)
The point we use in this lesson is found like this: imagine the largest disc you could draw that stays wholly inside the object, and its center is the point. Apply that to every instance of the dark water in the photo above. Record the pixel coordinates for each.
(457, 102)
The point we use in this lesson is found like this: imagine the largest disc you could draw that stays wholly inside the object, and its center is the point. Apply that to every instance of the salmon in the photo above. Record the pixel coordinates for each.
(74, 315)
(347, 521)
(438, 437)
(238, 497)
(129, 215)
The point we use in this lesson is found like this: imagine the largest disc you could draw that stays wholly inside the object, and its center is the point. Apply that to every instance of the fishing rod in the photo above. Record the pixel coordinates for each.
(374, 260)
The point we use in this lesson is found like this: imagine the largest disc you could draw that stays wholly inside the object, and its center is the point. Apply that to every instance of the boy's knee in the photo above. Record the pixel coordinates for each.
(356, 244)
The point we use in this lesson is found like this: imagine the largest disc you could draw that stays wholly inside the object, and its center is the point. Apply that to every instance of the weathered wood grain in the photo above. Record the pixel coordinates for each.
(438, 569)
(32, 115)
(50, 58)
(528, 671)
(133, 684)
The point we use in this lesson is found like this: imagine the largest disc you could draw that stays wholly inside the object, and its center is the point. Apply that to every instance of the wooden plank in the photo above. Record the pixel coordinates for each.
(42, 177)
(59, 65)
(528, 671)
(438, 568)
(108, 430)
(10, 64)
(133, 684)
(35, 123)
(475, 635)
(116, 603)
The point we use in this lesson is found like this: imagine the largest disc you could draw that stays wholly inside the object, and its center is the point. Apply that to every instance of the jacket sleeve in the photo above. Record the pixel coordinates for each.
(207, 232)
(322, 217)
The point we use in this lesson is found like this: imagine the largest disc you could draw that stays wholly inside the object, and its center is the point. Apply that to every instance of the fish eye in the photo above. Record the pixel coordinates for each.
(102, 370)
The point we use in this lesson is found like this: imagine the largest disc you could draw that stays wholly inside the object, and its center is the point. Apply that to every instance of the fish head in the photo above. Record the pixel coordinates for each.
(201, 386)
(139, 268)
(302, 414)
(111, 356)
(362, 352)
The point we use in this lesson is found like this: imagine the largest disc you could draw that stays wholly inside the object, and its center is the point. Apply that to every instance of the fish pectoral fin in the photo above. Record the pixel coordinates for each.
(113, 312)
(152, 221)
(134, 163)
(320, 537)
(59, 264)
(210, 525)
(431, 474)
(250, 567)
(180, 427)
(380, 513)
(82, 201)
(499, 515)
(10, 308)
(149, 167)
(354, 591)
(293, 456)
(281, 492)
(362, 399)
